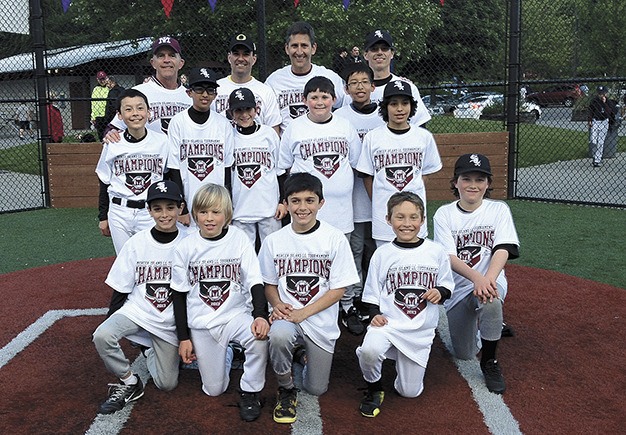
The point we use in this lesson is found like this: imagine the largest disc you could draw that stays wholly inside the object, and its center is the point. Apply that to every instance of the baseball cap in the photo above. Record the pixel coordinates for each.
(472, 163)
(378, 36)
(164, 41)
(602, 90)
(241, 98)
(202, 75)
(165, 189)
(397, 87)
(101, 75)
(242, 39)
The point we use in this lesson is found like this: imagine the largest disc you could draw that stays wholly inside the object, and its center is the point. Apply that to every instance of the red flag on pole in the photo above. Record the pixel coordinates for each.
(167, 6)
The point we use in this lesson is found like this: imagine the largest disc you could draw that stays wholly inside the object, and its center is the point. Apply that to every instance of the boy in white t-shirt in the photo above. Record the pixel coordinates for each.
(218, 298)
(327, 147)
(407, 279)
(479, 235)
(395, 157)
(201, 141)
(363, 115)
(142, 303)
(126, 170)
(255, 180)
(306, 266)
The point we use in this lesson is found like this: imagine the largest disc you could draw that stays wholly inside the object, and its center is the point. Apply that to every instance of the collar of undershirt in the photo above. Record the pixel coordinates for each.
(132, 139)
(163, 237)
(408, 244)
(380, 82)
(249, 130)
(302, 74)
(197, 116)
(366, 109)
(315, 227)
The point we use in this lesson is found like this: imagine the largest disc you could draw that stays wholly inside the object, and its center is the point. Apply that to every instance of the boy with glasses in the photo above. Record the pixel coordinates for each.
(201, 141)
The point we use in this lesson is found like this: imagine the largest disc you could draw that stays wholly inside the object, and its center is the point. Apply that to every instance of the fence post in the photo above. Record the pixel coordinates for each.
(42, 97)
(513, 79)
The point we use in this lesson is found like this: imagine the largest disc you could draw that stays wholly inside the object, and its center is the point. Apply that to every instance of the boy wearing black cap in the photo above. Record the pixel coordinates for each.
(379, 52)
(255, 185)
(201, 141)
(395, 157)
(166, 95)
(479, 235)
(141, 306)
(242, 57)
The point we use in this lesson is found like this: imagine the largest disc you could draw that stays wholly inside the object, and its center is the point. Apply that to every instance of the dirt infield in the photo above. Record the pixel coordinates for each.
(564, 369)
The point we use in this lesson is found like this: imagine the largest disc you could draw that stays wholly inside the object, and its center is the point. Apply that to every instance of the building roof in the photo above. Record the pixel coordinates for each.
(70, 57)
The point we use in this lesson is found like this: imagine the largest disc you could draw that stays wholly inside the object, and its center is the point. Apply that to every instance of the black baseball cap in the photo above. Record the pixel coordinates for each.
(602, 90)
(165, 189)
(202, 75)
(241, 98)
(243, 40)
(378, 36)
(472, 163)
(165, 41)
(397, 87)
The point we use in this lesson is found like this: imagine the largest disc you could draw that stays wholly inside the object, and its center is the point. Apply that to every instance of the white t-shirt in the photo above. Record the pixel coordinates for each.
(131, 167)
(164, 104)
(289, 90)
(201, 152)
(397, 162)
(421, 113)
(255, 182)
(266, 103)
(471, 237)
(361, 202)
(305, 267)
(218, 276)
(329, 151)
(143, 269)
(396, 280)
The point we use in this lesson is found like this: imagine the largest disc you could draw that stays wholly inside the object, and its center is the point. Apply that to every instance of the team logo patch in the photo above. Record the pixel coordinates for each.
(326, 164)
(214, 293)
(303, 287)
(137, 182)
(200, 167)
(470, 255)
(249, 174)
(297, 110)
(409, 301)
(159, 295)
(399, 176)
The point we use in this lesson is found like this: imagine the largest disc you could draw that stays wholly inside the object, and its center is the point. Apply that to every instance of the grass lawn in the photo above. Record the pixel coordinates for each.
(553, 236)
(22, 158)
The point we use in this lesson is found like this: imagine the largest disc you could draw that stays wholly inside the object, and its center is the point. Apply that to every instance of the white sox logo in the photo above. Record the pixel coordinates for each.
(137, 182)
(303, 287)
(249, 174)
(399, 176)
(200, 167)
(475, 160)
(159, 295)
(398, 85)
(214, 293)
(409, 301)
(378, 34)
(205, 73)
(326, 164)
(239, 95)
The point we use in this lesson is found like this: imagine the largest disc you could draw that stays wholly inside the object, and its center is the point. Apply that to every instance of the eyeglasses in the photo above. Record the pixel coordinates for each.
(364, 83)
(202, 89)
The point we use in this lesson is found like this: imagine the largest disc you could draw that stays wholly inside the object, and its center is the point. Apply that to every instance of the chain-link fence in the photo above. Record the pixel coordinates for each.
(463, 55)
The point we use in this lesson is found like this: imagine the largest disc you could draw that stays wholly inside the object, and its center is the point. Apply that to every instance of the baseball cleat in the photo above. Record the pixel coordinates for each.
(493, 376)
(249, 406)
(370, 405)
(285, 409)
(120, 395)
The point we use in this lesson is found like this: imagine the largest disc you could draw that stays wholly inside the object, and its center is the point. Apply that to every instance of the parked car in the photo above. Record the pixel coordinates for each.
(438, 107)
(564, 95)
(475, 108)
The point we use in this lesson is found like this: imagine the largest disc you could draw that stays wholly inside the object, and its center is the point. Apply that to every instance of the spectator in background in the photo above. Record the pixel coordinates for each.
(114, 92)
(340, 60)
(23, 116)
(98, 104)
(600, 114)
(355, 55)
(55, 121)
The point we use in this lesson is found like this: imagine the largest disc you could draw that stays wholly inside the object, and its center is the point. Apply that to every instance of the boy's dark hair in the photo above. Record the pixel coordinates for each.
(400, 197)
(130, 93)
(301, 28)
(383, 107)
(321, 84)
(357, 67)
(301, 182)
(456, 193)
